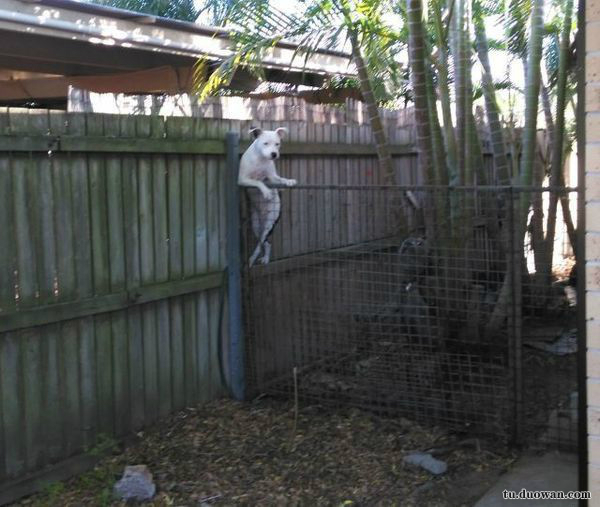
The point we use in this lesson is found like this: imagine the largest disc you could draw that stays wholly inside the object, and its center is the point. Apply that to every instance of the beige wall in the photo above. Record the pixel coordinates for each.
(592, 238)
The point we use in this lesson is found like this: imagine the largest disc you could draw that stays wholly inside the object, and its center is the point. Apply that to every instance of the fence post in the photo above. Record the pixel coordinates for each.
(234, 268)
(515, 322)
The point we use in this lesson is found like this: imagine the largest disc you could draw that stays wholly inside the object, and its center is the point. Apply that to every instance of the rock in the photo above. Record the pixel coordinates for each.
(136, 484)
(427, 461)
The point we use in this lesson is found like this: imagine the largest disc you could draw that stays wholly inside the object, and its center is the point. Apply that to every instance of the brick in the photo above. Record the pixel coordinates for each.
(592, 246)
(592, 96)
(592, 127)
(593, 371)
(594, 450)
(592, 219)
(592, 10)
(592, 329)
(592, 36)
(593, 393)
(592, 69)
(593, 421)
(592, 309)
(592, 276)
(592, 157)
(594, 483)
(592, 186)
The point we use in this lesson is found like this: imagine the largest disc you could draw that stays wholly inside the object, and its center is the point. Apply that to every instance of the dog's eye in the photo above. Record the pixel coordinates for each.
(277, 144)
(266, 144)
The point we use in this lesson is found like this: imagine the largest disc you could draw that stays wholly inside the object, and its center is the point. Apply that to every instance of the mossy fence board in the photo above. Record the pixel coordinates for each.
(112, 259)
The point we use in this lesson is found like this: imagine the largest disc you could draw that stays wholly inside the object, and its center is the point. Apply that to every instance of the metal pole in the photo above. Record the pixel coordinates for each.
(580, 260)
(516, 244)
(234, 268)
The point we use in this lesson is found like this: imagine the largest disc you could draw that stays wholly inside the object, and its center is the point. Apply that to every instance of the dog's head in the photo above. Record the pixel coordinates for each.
(267, 142)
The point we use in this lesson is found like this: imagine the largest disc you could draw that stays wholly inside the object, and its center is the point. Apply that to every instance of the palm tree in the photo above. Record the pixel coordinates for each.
(532, 92)
(491, 103)
(418, 72)
(558, 151)
(255, 26)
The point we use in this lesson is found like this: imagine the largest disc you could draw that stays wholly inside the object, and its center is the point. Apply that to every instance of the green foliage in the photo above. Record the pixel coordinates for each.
(505, 84)
(105, 444)
(256, 27)
(53, 492)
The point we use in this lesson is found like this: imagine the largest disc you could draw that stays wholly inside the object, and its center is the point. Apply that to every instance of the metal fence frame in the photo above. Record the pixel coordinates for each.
(521, 427)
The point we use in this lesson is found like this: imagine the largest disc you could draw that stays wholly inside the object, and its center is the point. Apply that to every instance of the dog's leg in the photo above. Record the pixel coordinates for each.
(247, 182)
(262, 243)
(275, 178)
(267, 255)
(255, 254)
(268, 218)
(256, 229)
(265, 213)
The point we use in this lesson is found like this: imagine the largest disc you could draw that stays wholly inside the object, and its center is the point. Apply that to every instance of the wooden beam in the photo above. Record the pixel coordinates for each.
(136, 145)
(61, 471)
(47, 314)
(20, 143)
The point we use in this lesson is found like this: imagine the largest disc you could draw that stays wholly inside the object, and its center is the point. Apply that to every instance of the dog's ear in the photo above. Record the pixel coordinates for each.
(255, 131)
(281, 131)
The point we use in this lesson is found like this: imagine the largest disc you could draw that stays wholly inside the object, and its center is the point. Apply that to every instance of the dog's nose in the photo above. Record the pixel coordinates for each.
(273, 154)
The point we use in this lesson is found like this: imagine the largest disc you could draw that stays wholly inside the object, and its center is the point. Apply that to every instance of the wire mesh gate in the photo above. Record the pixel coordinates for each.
(415, 301)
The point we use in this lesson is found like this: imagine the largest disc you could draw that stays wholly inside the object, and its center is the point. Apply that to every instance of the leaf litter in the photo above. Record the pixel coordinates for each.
(232, 453)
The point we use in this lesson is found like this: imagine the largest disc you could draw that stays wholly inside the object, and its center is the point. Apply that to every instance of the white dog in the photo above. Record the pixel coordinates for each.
(257, 166)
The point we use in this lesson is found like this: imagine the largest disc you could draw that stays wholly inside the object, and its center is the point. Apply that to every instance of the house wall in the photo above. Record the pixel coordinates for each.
(592, 239)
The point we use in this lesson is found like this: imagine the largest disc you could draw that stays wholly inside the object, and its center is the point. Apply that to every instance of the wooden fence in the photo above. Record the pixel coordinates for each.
(111, 275)
(112, 259)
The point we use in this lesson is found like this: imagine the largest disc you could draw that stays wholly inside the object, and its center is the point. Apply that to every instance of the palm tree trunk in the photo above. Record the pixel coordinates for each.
(366, 89)
(568, 219)
(444, 90)
(547, 106)
(460, 66)
(416, 46)
(470, 131)
(491, 106)
(558, 142)
(439, 154)
(532, 92)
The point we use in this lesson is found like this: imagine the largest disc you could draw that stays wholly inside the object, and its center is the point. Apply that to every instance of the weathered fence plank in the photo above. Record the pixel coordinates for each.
(26, 254)
(11, 380)
(111, 277)
(69, 386)
(7, 266)
(186, 203)
(51, 406)
(32, 397)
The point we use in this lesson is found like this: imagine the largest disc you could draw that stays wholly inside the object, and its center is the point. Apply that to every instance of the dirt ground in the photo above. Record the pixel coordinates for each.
(229, 453)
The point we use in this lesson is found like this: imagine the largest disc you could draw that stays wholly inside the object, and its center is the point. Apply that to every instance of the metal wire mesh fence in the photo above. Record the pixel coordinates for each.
(410, 301)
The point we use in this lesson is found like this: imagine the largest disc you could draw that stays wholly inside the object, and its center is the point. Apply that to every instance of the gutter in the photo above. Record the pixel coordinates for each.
(115, 27)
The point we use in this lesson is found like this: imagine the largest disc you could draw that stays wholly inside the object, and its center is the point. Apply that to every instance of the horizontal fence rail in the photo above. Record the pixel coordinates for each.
(206, 147)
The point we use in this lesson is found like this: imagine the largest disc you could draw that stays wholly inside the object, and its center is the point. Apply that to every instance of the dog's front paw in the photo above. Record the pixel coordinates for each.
(290, 183)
